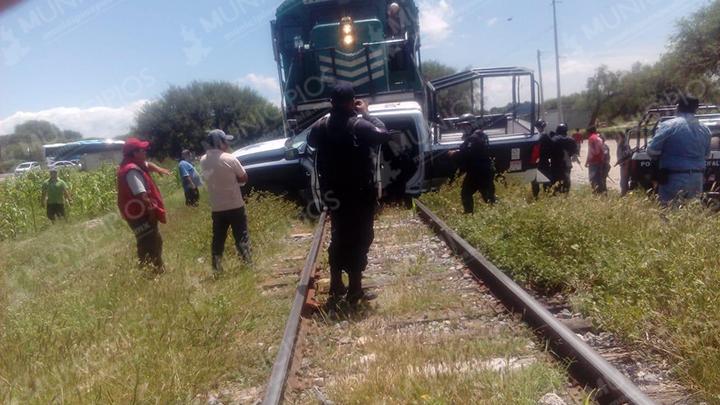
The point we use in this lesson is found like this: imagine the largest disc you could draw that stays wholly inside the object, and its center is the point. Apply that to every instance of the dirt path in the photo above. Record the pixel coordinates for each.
(580, 172)
(432, 335)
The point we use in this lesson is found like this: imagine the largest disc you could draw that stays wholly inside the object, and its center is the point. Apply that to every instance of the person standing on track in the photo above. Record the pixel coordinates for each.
(224, 175)
(141, 203)
(346, 145)
(564, 150)
(681, 145)
(54, 194)
(190, 179)
(543, 159)
(474, 159)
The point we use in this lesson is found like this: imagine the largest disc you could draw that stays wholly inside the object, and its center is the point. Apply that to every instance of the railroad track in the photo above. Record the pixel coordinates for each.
(469, 303)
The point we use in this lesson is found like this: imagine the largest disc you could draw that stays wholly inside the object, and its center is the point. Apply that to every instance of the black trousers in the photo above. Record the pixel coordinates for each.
(149, 242)
(236, 220)
(55, 211)
(192, 196)
(472, 184)
(352, 235)
(562, 180)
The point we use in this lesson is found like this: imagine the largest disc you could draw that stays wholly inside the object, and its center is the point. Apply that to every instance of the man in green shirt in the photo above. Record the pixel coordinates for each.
(54, 194)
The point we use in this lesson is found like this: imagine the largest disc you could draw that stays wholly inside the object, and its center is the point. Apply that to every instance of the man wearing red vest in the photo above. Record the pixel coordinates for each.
(140, 201)
(596, 162)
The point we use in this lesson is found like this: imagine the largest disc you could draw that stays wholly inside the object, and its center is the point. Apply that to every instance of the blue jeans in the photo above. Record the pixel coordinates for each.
(681, 186)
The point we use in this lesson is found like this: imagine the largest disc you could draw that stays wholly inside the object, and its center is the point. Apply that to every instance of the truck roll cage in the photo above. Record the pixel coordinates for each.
(480, 74)
(655, 115)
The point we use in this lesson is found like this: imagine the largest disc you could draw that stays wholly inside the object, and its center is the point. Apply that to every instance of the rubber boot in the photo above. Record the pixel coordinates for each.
(337, 287)
(355, 291)
(217, 265)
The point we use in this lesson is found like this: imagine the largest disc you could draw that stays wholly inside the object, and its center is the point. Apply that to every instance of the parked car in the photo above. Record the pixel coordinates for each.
(25, 167)
(64, 164)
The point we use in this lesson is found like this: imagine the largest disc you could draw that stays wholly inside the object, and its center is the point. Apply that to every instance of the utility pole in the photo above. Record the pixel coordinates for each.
(541, 96)
(557, 63)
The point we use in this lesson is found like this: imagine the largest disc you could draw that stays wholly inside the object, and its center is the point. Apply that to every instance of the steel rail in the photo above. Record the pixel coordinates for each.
(585, 364)
(281, 368)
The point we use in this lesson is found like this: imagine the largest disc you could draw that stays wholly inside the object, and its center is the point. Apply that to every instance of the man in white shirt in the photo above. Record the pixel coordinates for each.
(224, 175)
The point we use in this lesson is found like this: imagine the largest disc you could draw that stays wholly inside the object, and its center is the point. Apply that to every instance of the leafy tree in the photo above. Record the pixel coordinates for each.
(37, 131)
(601, 88)
(27, 141)
(696, 45)
(181, 118)
(453, 101)
(70, 136)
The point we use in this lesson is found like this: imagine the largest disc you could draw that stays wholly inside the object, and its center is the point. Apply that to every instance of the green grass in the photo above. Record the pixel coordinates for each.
(80, 323)
(649, 275)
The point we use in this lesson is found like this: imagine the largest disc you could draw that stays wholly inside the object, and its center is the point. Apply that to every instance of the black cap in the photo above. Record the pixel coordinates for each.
(342, 93)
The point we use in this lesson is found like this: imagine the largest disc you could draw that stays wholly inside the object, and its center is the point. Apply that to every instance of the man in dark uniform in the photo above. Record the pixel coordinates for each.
(564, 150)
(346, 145)
(473, 158)
(545, 144)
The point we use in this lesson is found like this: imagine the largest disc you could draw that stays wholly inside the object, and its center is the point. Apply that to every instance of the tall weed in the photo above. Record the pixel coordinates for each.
(648, 274)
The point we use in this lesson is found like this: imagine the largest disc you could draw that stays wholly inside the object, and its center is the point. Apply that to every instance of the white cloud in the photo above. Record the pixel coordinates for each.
(267, 86)
(435, 20)
(93, 122)
(491, 22)
(260, 83)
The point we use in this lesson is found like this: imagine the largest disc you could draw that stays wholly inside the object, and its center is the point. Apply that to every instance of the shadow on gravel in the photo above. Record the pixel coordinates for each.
(344, 312)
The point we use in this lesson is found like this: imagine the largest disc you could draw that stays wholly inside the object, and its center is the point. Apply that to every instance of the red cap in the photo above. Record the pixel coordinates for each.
(133, 144)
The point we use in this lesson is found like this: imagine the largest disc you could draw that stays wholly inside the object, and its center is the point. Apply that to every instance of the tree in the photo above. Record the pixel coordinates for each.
(601, 88)
(70, 136)
(696, 45)
(453, 101)
(37, 131)
(26, 143)
(181, 118)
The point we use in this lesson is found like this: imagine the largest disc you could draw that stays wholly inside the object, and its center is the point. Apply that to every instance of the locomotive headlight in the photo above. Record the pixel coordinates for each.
(347, 32)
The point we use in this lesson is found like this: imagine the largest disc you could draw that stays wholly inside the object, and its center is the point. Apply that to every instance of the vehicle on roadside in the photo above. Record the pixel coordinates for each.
(643, 169)
(64, 164)
(88, 154)
(25, 167)
(317, 44)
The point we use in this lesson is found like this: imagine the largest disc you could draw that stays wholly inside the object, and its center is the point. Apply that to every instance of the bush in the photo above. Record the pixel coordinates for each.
(647, 274)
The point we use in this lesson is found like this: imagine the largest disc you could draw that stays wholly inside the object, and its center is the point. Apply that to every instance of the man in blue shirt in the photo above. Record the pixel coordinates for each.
(190, 179)
(681, 146)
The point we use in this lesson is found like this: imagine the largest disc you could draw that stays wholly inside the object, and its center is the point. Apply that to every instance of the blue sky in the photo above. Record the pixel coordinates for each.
(89, 65)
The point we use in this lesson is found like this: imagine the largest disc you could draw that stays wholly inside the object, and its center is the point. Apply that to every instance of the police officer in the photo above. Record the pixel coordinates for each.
(473, 158)
(545, 144)
(346, 145)
(681, 145)
(564, 150)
